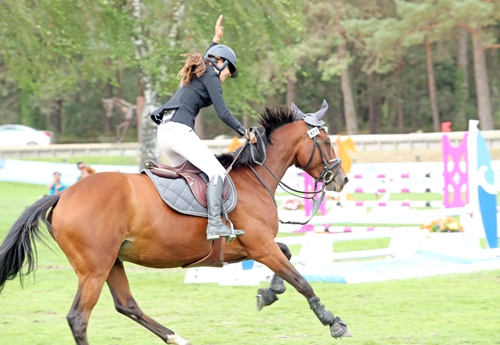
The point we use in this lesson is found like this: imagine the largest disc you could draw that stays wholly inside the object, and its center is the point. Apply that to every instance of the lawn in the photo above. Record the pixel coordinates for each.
(455, 309)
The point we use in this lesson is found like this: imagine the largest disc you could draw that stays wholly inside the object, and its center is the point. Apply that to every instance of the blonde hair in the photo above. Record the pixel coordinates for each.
(193, 66)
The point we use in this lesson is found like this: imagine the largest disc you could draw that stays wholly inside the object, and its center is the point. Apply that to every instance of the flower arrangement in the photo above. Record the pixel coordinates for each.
(292, 204)
(448, 224)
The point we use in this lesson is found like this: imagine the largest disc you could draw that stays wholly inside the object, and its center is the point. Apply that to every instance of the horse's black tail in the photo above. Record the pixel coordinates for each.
(19, 246)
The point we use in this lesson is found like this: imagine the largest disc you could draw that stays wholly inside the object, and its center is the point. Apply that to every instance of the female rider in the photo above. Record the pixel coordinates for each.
(199, 87)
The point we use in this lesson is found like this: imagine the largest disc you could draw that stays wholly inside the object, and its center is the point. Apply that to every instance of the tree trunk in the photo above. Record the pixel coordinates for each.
(119, 82)
(482, 87)
(149, 144)
(462, 82)
(340, 122)
(432, 86)
(55, 116)
(399, 101)
(332, 124)
(108, 121)
(246, 120)
(373, 103)
(290, 91)
(349, 109)
(494, 69)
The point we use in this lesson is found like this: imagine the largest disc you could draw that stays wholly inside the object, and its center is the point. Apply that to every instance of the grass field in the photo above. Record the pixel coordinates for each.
(453, 309)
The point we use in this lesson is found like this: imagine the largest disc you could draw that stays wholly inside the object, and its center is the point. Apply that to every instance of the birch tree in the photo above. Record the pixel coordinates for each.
(144, 52)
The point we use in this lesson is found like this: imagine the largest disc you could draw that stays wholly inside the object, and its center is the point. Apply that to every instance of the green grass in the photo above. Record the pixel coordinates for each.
(456, 309)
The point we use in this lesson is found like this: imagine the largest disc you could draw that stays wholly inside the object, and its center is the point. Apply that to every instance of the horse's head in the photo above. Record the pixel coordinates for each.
(313, 151)
(316, 155)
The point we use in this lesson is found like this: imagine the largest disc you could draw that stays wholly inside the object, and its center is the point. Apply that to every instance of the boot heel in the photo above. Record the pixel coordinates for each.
(212, 237)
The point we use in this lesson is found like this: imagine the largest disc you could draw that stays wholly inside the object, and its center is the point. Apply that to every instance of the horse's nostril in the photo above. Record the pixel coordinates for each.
(346, 180)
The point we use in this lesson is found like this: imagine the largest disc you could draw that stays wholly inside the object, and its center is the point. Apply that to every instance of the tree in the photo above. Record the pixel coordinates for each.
(49, 46)
(432, 85)
(331, 35)
(477, 16)
(144, 50)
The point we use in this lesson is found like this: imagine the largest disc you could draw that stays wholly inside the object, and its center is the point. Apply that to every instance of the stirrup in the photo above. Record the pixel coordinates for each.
(229, 238)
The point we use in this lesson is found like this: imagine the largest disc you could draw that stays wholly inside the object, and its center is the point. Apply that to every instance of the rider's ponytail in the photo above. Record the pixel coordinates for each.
(194, 66)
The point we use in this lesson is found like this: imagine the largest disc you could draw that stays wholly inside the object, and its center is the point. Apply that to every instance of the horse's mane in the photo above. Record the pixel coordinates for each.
(270, 120)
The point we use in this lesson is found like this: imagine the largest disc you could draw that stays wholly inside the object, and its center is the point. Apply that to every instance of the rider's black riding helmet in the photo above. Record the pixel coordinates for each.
(226, 53)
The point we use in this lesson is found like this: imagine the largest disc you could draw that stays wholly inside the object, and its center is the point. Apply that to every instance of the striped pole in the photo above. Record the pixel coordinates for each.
(386, 176)
(391, 203)
(412, 189)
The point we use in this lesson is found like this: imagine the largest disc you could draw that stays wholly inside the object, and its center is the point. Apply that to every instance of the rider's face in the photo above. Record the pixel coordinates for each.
(225, 72)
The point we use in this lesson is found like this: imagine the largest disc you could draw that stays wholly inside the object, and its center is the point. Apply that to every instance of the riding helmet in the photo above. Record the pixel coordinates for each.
(226, 53)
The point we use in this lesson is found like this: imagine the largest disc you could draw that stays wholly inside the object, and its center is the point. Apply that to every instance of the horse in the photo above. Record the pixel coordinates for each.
(112, 217)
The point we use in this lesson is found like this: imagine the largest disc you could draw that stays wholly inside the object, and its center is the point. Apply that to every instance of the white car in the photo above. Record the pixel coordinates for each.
(19, 135)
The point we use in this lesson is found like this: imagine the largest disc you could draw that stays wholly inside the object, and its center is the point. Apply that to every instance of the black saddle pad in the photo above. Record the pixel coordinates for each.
(177, 194)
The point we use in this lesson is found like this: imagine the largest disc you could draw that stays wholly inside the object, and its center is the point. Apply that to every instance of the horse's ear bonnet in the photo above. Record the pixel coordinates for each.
(313, 119)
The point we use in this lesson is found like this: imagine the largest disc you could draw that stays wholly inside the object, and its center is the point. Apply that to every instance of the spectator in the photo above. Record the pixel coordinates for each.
(56, 187)
(85, 170)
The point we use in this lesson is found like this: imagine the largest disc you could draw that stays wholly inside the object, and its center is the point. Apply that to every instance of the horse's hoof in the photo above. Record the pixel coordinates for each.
(260, 302)
(338, 329)
(265, 297)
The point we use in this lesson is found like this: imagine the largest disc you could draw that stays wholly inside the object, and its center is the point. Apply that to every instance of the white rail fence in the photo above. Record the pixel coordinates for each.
(371, 142)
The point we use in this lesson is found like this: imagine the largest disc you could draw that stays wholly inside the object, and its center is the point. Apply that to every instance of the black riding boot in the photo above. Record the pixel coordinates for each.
(216, 228)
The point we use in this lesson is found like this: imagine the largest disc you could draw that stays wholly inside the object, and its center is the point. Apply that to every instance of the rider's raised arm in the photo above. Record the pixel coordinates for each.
(219, 32)
(214, 88)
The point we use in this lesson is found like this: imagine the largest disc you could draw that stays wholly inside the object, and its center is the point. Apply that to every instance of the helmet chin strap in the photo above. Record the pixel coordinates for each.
(220, 69)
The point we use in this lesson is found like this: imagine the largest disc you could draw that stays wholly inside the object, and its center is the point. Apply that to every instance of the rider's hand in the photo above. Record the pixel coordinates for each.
(219, 29)
(250, 137)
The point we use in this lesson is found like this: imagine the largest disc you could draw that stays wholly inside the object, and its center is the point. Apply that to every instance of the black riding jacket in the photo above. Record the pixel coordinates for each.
(200, 93)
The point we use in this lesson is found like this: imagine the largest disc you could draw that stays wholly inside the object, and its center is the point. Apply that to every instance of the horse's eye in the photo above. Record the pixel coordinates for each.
(327, 143)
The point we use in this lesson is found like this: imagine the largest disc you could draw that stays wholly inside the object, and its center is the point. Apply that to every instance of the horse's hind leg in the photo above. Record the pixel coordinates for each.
(89, 290)
(268, 296)
(126, 305)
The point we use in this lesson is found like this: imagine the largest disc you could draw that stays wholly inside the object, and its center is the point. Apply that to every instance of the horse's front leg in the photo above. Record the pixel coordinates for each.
(275, 259)
(277, 286)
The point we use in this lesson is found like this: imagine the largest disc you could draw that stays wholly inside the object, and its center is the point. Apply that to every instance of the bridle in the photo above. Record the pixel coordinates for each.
(326, 177)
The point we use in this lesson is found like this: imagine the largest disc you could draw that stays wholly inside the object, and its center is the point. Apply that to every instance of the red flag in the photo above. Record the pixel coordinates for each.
(445, 126)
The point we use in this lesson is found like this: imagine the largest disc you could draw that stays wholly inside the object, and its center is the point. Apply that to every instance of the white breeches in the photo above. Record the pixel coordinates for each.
(180, 143)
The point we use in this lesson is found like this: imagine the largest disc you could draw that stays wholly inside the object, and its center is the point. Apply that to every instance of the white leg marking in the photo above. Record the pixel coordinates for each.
(177, 340)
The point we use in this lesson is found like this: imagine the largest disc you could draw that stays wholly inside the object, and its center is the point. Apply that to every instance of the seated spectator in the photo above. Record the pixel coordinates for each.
(84, 170)
(56, 187)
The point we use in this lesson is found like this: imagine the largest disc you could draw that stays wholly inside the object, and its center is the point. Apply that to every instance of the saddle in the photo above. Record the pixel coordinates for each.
(171, 183)
(194, 177)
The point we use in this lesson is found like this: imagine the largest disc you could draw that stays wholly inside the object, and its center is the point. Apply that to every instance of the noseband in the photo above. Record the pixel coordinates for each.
(326, 177)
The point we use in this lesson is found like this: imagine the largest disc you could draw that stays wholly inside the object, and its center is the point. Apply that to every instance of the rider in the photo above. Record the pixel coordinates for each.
(199, 87)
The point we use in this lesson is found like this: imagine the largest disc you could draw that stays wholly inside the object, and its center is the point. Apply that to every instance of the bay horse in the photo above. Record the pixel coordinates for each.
(112, 217)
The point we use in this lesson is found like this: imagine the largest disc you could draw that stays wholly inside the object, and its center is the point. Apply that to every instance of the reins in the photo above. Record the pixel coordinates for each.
(323, 178)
